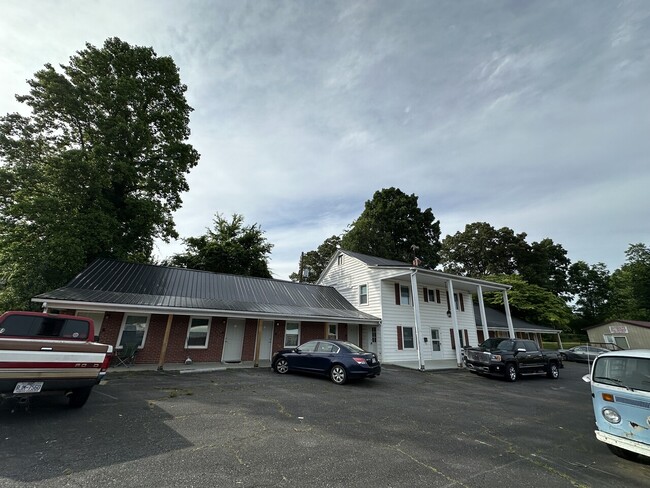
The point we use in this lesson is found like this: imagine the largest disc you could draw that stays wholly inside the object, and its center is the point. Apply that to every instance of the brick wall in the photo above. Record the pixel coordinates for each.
(178, 353)
(250, 338)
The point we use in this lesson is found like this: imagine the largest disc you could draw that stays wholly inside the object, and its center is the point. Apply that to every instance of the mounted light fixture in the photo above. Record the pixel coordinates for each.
(449, 313)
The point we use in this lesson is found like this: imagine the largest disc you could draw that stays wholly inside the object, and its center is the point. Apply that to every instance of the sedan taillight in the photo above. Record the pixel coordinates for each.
(360, 360)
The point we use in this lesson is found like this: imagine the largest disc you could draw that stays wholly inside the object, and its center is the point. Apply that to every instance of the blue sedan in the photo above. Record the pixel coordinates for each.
(339, 360)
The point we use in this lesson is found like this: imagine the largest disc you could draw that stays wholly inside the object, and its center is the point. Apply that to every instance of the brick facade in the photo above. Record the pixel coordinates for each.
(178, 353)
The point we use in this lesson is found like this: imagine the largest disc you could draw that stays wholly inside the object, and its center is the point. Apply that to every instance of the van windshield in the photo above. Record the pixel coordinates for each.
(631, 373)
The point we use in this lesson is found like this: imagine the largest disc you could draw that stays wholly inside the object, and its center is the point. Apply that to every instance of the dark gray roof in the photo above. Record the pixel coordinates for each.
(496, 319)
(115, 282)
(374, 260)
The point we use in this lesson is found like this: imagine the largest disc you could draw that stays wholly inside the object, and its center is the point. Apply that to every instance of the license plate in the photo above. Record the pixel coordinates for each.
(29, 387)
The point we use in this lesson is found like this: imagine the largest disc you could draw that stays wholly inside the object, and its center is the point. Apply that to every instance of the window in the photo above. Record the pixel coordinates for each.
(20, 325)
(435, 339)
(460, 305)
(291, 334)
(332, 331)
(198, 332)
(620, 341)
(432, 296)
(134, 330)
(339, 259)
(309, 346)
(373, 335)
(408, 341)
(405, 295)
(328, 347)
(363, 294)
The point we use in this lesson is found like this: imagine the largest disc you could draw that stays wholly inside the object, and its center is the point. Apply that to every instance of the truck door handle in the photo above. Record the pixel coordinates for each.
(46, 348)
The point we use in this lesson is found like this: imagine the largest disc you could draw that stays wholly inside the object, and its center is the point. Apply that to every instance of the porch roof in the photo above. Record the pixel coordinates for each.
(425, 275)
(496, 320)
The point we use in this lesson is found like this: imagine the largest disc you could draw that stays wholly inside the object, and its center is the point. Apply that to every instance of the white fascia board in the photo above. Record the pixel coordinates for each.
(116, 307)
(489, 285)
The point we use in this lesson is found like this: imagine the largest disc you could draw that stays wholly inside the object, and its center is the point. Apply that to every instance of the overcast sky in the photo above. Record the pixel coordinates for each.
(529, 115)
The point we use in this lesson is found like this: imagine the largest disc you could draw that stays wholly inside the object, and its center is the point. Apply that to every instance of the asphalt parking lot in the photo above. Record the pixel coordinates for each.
(254, 428)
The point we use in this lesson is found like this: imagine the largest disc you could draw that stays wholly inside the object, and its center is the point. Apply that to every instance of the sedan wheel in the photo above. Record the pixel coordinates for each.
(338, 374)
(281, 366)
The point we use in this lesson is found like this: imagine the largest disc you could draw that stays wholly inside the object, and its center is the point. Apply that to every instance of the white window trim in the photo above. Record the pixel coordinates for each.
(366, 295)
(285, 332)
(146, 329)
(189, 327)
(336, 334)
(401, 296)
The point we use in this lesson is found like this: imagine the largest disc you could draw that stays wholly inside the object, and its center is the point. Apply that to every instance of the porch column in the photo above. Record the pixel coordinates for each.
(454, 321)
(416, 313)
(258, 343)
(511, 329)
(163, 349)
(481, 307)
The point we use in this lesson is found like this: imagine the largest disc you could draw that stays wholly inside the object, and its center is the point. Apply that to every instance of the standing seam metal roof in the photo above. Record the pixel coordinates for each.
(116, 282)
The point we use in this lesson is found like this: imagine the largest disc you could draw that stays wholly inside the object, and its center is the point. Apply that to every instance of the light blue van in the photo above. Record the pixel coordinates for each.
(620, 389)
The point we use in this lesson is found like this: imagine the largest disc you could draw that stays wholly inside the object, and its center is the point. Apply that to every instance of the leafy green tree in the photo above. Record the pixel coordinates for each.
(630, 286)
(316, 261)
(95, 170)
(481, 250)
(392, 226)
(545, 264)
(531, 303)
(591, 287)
(230, 248)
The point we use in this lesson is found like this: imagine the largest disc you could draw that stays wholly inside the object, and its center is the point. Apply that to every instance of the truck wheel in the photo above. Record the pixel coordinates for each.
(553, 371)
(623, 453)
(511, 372)
(79, 397)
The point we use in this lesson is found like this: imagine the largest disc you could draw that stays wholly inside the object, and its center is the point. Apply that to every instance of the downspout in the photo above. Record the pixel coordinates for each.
(454, 321)
(481, 307)
(416, 313)
(511, 329)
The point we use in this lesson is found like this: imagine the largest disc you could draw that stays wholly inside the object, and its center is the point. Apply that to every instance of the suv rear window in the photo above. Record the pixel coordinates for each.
(34, 326)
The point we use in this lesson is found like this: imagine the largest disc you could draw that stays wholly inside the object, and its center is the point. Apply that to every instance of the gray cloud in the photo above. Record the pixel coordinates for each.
(531, 115)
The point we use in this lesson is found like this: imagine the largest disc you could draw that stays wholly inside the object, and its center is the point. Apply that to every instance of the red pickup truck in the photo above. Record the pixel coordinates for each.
(47, 354)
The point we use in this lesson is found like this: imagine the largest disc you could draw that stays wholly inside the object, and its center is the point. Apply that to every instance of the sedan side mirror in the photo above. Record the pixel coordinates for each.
(297, 350)
(586, 378)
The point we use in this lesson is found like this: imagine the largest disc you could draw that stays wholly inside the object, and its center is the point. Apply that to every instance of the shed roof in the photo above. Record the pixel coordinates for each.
(164, 289)
(638, 323)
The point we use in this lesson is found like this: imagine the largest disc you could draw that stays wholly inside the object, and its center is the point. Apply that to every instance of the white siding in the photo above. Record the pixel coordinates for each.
(346, 278)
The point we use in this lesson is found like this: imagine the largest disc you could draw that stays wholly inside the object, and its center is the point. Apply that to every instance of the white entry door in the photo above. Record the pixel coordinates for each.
(267, 340)
(435, 344)
(370, 339)
(234, 341)
(353, 334)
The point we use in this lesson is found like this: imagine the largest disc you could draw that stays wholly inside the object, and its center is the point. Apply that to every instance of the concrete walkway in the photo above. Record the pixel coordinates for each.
(209, 367)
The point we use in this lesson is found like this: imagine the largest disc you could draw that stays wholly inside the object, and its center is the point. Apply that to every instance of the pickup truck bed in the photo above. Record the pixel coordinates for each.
(37, 358)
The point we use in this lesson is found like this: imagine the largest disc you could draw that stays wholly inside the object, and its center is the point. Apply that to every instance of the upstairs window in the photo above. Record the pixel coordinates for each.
(405, 295)
(363, 294)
